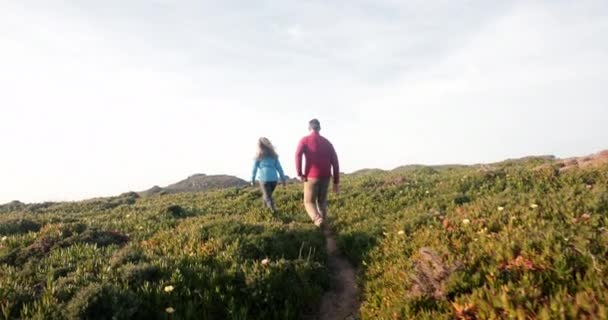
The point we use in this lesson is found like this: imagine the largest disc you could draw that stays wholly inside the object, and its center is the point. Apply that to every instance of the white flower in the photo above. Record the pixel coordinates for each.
(427, 192)
(401, 232)
(128, 215)
(169, 289)
(385, 233)
(466, 221)
(534, 206)
(141, 228)
(501, 208)
(265, 261)
(170, 310)
(4, 238)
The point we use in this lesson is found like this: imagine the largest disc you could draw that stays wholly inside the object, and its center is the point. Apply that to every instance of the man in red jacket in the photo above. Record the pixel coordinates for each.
(321, 160)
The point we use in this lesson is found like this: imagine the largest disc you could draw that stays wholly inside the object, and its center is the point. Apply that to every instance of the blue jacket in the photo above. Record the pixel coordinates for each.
(268, 168)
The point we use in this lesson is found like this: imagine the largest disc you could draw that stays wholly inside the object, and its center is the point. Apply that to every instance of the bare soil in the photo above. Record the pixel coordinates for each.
(342, 300)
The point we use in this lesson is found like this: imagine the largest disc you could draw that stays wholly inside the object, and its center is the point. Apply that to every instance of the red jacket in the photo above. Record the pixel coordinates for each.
(320, 156)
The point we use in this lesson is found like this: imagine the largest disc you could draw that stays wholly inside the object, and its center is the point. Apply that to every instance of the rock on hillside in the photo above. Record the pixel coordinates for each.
(414, 167)
(197, 183)
(588, 161)
(12, 206)
(365, 172)
(152, 191)
(290, 180)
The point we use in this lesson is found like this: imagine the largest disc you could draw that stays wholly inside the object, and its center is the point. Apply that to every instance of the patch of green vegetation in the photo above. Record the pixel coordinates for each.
(518, 239)
(216, 255)
(515, 240)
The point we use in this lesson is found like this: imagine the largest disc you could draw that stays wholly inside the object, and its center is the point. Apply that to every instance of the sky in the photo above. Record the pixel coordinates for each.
(102, 97)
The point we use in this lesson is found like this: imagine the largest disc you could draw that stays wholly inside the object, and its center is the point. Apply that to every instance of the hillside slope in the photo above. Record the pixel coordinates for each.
(197, 183)
(517, 239)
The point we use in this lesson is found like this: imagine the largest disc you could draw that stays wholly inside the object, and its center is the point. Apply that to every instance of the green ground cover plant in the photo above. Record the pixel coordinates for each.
(513, 240)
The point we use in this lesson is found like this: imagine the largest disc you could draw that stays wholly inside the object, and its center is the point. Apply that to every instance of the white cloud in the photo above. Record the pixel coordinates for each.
(528, 83)
(295, 32)
(102, 97)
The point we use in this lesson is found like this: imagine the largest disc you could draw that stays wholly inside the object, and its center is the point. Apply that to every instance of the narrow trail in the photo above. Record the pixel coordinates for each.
(341, 302)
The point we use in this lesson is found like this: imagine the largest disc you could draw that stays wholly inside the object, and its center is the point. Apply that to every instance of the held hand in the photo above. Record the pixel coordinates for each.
(336, 188)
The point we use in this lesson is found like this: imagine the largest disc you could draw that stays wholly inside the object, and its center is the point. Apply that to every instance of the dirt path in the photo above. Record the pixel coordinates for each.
(342, 300)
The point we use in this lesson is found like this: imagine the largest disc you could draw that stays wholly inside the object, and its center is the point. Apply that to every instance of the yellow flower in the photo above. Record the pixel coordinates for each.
(501, 208)
(401, 232)
(4, 238)
(170, 310)
(534, 206)
(169, 289)
(466, 221)
(265, 261)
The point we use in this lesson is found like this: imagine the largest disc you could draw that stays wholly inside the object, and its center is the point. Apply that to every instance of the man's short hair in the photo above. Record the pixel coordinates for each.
(314, 124)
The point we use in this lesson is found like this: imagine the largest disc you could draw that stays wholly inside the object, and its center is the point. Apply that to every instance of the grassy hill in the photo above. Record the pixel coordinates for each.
(198, 183)
(519, 239)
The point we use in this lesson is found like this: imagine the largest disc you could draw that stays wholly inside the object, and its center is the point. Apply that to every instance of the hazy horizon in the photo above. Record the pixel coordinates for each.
(99, 98)
(247, 177)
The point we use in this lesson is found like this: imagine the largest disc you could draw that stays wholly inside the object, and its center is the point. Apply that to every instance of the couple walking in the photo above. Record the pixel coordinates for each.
(321, 162)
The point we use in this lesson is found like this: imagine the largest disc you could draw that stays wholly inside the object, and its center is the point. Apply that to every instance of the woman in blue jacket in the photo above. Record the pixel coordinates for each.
(265, 167)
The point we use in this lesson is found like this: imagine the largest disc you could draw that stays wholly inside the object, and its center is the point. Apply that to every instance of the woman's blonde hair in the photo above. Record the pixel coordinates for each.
(265, 149)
